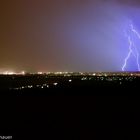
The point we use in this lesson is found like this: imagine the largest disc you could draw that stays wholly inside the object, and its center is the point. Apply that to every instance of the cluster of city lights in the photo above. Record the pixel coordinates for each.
(39, 86)
(12, 73)
(117, 79)
(35, 86)
(109, 78)
(105, 74)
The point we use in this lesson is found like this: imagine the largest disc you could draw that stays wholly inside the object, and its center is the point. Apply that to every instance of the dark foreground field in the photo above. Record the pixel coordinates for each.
(77, 109)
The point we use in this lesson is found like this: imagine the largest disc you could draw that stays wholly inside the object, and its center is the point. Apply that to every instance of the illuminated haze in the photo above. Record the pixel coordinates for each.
(69, 35)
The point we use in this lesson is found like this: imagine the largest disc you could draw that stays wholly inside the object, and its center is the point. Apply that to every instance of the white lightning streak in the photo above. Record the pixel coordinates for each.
(130, 52)
(137, 53)
(133, 30)
(131, 47)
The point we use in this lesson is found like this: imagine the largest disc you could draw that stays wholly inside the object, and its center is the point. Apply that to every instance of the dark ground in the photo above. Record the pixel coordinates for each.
(90, 112)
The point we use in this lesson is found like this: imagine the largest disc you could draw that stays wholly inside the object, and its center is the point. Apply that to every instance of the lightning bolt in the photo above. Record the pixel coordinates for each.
(134, 31)
(137, 53)
(132, 47)
(129, 53)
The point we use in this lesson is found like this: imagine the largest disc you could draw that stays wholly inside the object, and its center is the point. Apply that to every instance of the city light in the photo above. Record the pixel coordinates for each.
(53, 80)
(40, 73)
(9, 73)
(55, 84)
(23, 72)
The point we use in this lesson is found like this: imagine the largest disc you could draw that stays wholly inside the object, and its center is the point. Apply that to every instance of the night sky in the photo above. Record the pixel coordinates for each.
(66, 35)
